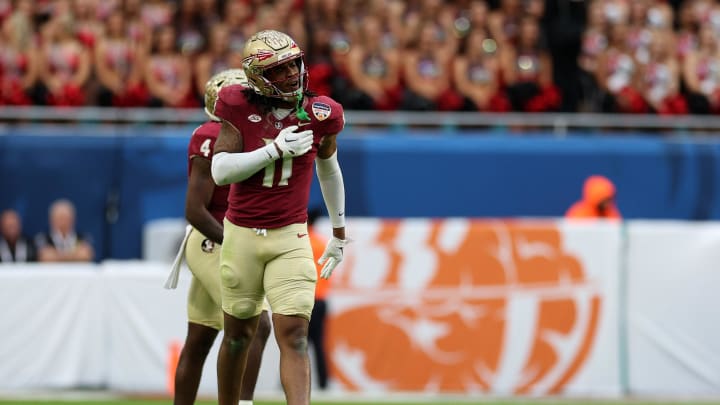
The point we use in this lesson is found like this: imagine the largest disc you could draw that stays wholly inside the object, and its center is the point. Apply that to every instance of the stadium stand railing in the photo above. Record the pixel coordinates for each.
(557, 123)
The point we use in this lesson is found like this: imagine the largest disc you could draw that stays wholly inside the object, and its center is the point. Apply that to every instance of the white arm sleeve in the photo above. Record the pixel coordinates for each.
(234, 167)
(333, 188)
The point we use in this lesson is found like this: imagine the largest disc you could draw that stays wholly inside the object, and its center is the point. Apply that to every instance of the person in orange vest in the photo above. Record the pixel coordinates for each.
(598, 201)
(316, 332)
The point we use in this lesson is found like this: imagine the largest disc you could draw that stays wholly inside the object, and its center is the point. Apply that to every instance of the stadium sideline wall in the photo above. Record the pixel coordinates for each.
(476, 307)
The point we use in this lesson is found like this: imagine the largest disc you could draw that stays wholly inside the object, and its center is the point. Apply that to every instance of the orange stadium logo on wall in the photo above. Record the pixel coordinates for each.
(461, 306)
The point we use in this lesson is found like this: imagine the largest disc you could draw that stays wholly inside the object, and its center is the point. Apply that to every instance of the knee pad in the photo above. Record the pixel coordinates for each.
(242, 308)
(228, 277)
(304, 305)
(294, 302)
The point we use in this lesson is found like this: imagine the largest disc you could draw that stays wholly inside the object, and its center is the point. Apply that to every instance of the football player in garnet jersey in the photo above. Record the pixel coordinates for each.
(205, 206)
(271, 134)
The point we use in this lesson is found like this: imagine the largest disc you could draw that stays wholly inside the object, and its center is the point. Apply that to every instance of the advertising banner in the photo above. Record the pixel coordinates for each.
(468, 306)
(673, 308)
(53, 330)
(457, 305)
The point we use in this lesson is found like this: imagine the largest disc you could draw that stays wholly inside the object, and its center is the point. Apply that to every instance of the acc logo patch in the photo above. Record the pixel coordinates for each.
(207, 246)
(254, 118)
(321, 111)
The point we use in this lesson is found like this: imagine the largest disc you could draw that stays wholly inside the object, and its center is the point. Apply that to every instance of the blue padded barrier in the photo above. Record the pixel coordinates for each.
(140, 174)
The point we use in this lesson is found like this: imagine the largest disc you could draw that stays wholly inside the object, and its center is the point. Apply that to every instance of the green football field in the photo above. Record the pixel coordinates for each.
(354, 402)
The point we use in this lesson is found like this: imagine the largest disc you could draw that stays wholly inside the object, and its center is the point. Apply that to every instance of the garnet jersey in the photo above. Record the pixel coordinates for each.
(202, 144)
(278, 194)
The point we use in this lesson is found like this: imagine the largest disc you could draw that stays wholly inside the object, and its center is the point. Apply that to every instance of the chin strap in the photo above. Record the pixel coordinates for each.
(301, 113)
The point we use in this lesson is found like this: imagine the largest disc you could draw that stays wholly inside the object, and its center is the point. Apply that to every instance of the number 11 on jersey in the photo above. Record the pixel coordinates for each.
(270, 170)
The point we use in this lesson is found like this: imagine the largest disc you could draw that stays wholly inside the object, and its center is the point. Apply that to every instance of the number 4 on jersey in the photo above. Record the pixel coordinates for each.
(205, 148)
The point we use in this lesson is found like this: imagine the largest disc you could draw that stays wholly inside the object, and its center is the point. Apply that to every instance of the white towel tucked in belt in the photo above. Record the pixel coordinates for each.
(172, 279)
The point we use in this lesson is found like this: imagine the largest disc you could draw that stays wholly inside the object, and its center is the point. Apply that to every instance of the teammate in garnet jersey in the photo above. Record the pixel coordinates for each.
(205, 207)
(271, 134)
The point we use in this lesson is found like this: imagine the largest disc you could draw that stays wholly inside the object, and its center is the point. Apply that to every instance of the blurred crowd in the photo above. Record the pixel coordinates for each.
(639, 56)
(646, 56)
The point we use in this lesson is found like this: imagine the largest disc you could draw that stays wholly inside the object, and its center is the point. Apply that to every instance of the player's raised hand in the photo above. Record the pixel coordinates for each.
(294, 143)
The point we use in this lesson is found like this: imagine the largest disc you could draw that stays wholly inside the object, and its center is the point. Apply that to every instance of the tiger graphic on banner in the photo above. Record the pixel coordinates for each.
(461, 305)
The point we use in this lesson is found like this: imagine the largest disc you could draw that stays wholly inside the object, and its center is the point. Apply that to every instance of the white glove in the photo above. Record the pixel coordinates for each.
(332, 255)
(294, 143)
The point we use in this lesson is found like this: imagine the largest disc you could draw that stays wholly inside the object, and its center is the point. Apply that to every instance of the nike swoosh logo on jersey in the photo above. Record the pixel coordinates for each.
(301, 235)
(302, 124)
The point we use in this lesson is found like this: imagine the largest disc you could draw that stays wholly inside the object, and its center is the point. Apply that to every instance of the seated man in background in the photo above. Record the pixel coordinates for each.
(62, 243)
(598, 201)
(14, 247)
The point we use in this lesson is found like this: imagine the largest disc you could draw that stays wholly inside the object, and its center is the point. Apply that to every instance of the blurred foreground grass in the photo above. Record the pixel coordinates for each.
(468, 401)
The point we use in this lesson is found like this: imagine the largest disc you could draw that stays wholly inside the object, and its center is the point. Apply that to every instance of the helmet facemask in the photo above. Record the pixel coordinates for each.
(273, 89)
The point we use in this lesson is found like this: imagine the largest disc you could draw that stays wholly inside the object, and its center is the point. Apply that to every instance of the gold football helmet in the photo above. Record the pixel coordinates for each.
(217, 82)
(267, 49)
